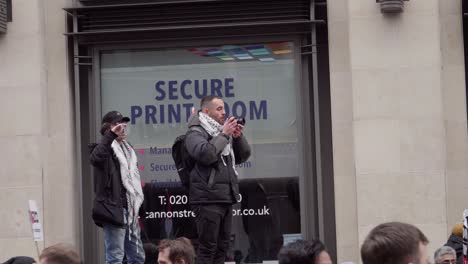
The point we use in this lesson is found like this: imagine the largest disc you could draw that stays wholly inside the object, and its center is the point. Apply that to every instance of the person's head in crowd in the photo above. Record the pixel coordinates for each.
(395, 243)
(304, 252)
(61, 253)
(20, 260)
(445, 255)
(176, 251)
(457, 230)
(151, 253)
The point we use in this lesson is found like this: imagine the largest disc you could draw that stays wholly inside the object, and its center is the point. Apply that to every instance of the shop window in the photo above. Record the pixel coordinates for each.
(157, 90)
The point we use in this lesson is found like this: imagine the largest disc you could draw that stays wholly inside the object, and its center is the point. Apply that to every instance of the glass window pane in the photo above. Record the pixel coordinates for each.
(158, 88)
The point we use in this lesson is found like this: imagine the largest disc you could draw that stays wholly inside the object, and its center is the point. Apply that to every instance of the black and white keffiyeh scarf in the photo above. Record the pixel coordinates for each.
(214, 128)
(131, 181)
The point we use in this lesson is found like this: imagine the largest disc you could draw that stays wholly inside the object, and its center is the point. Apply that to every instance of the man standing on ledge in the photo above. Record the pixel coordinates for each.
(118, 191)
(217, 145)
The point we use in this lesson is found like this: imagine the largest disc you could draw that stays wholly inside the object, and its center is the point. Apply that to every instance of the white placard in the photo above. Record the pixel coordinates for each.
(270, 262)
(38, 233)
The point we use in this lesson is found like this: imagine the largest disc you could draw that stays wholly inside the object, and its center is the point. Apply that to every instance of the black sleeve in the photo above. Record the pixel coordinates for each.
(103, 149)
(242, 149)
(206, 151)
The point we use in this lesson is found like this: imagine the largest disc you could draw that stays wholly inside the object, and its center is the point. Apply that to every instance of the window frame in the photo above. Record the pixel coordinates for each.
(311, 205)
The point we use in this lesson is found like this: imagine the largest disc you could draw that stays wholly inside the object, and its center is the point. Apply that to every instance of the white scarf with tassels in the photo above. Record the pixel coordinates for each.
(214, 128)
(131, 181)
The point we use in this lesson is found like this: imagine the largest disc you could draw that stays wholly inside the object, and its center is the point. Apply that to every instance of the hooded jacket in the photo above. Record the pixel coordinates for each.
(456, 243)
(212, 181)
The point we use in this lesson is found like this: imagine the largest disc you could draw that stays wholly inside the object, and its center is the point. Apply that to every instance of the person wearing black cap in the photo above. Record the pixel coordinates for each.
(118, 191)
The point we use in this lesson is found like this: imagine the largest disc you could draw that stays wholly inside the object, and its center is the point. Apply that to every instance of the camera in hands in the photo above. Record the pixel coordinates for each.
(240, 121)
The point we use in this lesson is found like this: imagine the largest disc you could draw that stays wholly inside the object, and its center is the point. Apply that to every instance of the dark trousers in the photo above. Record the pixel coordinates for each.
(214, 230)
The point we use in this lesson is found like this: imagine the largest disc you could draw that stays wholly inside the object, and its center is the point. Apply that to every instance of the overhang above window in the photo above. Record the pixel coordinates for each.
(190, 19)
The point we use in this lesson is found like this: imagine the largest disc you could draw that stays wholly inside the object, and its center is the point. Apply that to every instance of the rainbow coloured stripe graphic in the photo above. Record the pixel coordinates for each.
(261, 52)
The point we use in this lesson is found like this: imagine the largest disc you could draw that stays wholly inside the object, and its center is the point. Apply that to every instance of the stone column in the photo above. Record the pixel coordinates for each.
(399, 118)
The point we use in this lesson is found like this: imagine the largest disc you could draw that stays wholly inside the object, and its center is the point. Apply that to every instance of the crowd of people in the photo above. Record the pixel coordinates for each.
(387, 243)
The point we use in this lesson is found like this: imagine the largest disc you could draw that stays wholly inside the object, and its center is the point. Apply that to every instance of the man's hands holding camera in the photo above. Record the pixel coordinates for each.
(233, 127)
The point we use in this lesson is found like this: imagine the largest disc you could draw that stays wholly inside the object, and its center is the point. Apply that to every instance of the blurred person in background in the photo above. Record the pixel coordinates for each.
(395, 243)
(61, 253)
(445, 255)
(176, 251)
(151, 253)
(304, 252)
(455, 241)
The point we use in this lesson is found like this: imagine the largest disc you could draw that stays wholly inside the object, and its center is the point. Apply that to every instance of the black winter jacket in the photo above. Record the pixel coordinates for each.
(20, 260)
(210, 180)
(456, 243)
(106, 169)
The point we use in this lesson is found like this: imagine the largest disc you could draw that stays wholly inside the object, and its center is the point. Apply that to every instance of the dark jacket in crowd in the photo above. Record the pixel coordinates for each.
(20, 260)
(210, 180)
(456, 243)
(106, 168)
